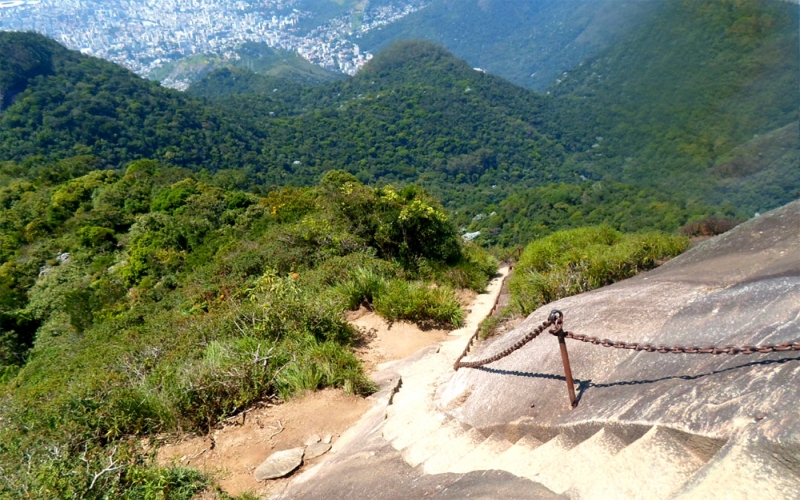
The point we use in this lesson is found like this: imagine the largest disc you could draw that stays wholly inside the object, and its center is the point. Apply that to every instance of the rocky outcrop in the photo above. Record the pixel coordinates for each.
(736, 414)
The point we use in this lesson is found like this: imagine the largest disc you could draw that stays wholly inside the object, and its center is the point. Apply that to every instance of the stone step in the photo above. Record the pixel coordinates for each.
(409, 401)
(580, 461)
(485, 456)
(446, 458)
(511, 459)
(403, 433)
(453, 348)
(741, 473)
(531, 465)
(428, 369)
(423, 449)
(654, 467)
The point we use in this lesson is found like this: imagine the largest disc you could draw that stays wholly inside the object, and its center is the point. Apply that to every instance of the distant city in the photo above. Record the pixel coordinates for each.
(144, 35)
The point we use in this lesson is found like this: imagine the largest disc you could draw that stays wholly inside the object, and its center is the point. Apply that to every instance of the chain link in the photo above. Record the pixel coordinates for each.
(517, 345)
(556, 320)
(640, 346)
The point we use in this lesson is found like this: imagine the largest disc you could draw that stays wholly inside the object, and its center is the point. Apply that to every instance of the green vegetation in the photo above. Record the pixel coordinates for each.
(668, 128)
(534, 213)
(425, 304)
(151, 301)
(578, 260)
(669, 106)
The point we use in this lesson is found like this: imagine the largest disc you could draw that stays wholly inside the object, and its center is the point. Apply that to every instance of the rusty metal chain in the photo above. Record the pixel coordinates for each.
(556, 320)
(502, 354)
(640, 346)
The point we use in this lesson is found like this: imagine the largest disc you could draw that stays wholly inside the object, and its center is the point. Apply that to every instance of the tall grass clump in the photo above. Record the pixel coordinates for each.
(575, 261)
(364, 285)
(420, 302)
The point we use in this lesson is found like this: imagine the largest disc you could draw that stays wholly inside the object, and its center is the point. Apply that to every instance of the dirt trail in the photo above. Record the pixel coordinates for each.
(231, 454)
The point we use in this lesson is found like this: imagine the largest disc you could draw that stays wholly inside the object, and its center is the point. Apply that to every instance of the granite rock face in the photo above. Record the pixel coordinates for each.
(740, 288)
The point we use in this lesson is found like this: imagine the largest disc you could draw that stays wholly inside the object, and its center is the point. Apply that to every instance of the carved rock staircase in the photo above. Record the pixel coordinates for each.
(598, 460)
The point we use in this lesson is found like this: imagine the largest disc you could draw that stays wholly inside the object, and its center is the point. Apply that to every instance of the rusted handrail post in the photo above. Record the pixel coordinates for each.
(557, 320)
(567, 370)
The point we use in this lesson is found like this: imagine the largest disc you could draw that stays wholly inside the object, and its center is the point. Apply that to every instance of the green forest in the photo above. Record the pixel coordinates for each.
(154, 243)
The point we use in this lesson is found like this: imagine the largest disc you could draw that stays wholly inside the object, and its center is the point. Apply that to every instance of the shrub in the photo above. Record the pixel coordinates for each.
(156, 483)
(421, 303)
(709, 226)
(96, 237)
(472, 270)
(571, 262)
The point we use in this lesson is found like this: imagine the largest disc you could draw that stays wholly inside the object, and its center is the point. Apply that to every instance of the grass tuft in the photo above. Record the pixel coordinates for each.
(423, 303)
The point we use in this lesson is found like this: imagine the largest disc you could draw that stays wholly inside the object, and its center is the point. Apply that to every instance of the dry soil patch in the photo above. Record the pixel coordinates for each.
(232, 453)
(384, 341)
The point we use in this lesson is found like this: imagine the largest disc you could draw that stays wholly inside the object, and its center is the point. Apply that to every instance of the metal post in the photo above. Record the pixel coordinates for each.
(567, 370)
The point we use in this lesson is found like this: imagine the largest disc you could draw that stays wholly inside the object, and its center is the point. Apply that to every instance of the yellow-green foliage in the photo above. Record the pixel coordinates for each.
(578, 260)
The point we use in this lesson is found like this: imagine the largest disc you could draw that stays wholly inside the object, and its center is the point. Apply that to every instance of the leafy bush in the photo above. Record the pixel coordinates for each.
(574, 261)
(173, 483)
(420, 302)
(708, 226)
(471, 271)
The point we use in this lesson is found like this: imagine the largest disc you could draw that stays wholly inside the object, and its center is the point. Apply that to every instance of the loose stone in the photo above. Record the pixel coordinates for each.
(317, 449)
(280, 464)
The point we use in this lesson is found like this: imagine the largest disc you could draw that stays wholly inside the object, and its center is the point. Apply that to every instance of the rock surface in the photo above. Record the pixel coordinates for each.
(312, 440)
(280, 464)
(740, 288)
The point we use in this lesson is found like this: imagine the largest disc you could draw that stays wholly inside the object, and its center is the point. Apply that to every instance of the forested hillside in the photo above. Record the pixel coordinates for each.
(134, 303)
(685, 106)
(676, 104)
(60, 103)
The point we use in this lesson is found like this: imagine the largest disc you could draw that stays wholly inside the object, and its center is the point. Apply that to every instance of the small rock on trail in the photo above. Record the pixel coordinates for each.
(280, 464)
(317, 449)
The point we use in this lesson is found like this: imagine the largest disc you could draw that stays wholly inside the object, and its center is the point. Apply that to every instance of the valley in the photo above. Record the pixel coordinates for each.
(171, 260)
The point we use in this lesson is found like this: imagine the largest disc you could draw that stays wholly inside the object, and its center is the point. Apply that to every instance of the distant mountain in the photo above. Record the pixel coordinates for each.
(529, 43)
(61, 103)
(677, 97)
(257, 57)
(414, 112)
